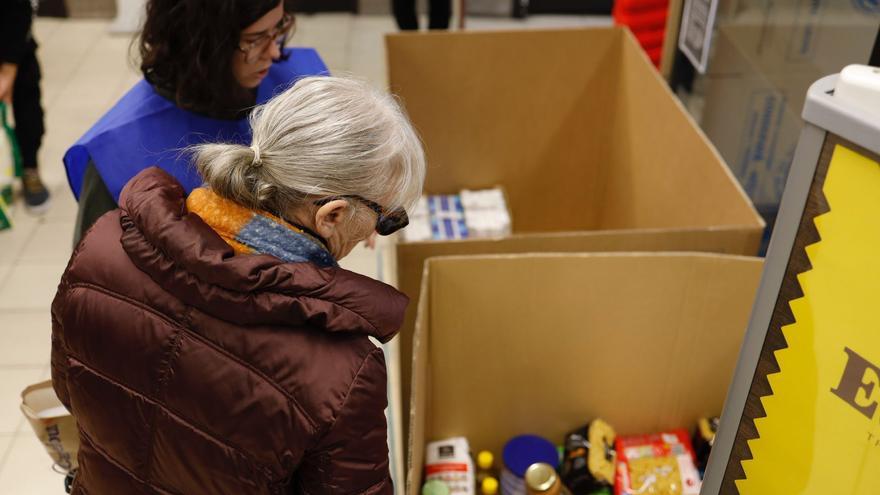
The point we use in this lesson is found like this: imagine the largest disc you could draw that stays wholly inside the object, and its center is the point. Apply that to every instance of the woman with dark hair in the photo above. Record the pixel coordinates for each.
(206, 64)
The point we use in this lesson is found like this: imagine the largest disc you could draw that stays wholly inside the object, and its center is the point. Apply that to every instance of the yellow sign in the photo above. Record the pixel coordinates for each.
(821, 435)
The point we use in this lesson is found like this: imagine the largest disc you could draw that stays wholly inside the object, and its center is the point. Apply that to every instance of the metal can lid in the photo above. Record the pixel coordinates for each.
(540, 477)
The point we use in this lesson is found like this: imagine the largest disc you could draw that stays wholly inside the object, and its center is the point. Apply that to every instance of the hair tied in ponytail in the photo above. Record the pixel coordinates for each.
(258, 162)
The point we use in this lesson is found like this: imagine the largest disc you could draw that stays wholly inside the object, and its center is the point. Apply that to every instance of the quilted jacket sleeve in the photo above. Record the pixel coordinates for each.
(352, 457)
(59, 348)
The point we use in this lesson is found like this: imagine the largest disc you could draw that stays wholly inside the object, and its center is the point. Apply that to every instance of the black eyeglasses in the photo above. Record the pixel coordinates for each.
(386, 223)
(253, 48)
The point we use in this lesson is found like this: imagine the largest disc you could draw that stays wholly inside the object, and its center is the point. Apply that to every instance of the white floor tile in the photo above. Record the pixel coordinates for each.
(25, 338)
(31, 286)
(96, 69)
(12, 241)
(46, 27)
(5, 268)
(367, 49)
(5, 442)
(12, 382)
(62, 54)
(51, 242)
(63, 207)
(28, 468)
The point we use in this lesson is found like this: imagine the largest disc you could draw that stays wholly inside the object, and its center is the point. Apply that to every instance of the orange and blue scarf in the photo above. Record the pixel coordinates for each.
(256, 232)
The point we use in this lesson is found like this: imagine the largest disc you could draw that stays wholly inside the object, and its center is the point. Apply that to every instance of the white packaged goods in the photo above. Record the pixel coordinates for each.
(485, 213)
(470, 214)
(449, 461)
(419, 228)
(421, 209)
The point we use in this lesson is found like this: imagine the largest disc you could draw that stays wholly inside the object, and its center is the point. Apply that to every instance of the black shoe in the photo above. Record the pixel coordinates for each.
(36, 196)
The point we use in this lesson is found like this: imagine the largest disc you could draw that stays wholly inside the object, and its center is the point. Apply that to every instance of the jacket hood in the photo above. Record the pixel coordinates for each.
(187, 258)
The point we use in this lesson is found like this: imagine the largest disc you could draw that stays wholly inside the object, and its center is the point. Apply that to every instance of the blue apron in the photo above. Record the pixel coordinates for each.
(145, 129)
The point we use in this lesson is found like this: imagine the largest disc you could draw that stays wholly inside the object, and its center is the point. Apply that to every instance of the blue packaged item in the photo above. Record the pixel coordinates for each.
(520, 453)
(446, 214)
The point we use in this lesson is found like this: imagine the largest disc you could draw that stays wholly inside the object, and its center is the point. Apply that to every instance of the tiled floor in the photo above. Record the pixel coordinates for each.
(85, 70)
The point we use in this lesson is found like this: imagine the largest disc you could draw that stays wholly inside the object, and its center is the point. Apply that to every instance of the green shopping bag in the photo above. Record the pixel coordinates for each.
(10, 165)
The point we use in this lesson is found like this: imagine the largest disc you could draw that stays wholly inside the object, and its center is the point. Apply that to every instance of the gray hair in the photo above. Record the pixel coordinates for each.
(324, 136)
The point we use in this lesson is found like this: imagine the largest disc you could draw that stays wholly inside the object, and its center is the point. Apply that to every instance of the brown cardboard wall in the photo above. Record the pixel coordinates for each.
(543, 343)
(660, 175)
(516, 111)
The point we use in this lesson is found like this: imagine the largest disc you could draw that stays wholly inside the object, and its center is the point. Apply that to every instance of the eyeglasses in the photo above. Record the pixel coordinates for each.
(386, 223)
(257, 44)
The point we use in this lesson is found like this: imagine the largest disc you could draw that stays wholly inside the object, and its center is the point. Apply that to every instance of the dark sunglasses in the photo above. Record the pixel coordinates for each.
(386, 223)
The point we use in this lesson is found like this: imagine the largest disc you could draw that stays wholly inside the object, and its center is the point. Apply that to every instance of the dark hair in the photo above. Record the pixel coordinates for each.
(186, 49)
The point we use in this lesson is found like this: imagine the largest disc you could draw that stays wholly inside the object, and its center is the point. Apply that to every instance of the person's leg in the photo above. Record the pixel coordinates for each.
(441, 11)
(405, 14)
(29, 128)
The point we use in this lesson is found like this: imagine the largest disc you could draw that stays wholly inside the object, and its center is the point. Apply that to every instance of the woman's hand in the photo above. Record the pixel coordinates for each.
(8, 72)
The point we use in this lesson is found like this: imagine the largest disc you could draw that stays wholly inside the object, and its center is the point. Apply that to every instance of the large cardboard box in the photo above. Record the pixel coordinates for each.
(592, 149)
(755, 122)
(543, 343)
(815, 37)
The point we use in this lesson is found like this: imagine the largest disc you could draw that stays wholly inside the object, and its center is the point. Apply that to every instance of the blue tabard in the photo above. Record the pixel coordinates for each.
(145, 129)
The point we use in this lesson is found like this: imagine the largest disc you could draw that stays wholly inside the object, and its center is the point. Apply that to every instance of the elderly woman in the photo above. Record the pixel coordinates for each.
(210, 344)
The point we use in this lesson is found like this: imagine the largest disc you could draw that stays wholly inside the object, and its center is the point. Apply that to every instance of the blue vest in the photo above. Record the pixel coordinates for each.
(145, 129)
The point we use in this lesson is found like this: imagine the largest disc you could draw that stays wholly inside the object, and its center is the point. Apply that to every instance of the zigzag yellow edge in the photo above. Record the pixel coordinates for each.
(805, 426)
(776, 380)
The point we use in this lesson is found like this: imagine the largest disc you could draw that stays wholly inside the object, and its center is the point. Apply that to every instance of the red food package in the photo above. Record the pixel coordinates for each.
(659, 464)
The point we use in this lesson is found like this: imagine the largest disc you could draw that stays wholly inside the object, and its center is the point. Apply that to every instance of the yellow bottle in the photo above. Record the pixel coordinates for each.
(485, 459)
(489, 486)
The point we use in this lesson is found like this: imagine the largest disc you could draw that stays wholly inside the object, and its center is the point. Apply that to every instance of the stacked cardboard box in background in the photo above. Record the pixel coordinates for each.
(764, 59)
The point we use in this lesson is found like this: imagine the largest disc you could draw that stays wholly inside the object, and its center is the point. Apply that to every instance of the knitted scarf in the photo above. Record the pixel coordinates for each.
(256, 232)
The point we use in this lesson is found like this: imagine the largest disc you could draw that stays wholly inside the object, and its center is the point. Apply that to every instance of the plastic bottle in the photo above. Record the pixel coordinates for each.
(489, 486)
(435, 487)
(485, 465)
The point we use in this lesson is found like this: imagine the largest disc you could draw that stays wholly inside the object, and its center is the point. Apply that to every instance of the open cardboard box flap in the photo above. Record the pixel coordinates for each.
(592, 149)
(543, 343)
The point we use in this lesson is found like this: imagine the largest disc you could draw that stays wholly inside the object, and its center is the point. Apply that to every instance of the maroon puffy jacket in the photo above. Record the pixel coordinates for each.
(192, 371)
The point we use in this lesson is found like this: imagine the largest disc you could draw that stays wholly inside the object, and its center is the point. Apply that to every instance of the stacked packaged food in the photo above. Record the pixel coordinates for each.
(592, 460)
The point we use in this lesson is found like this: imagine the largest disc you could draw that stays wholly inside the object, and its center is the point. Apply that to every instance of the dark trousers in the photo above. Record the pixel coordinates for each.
(26, 107)
(438, 18)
